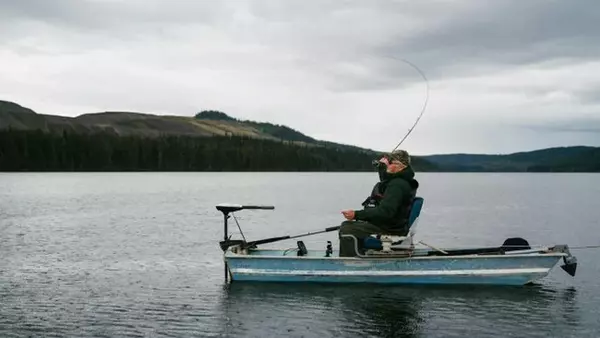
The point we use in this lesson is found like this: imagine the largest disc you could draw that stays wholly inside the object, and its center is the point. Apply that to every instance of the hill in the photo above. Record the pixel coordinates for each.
(558, 159)
(263, 129)
(204, 124)
(213, 140)
(141, 141)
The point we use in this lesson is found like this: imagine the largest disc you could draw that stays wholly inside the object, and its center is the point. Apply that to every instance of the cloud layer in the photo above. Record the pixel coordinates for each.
(504, 76)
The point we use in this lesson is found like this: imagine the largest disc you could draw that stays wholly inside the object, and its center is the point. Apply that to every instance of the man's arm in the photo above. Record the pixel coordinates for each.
(386, 209)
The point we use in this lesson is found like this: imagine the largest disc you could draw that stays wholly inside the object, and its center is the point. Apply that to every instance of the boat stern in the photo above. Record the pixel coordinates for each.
(570, 261)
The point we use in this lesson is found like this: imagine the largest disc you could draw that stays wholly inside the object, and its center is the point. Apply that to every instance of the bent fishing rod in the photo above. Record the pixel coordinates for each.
(424, 104)
(410, 130)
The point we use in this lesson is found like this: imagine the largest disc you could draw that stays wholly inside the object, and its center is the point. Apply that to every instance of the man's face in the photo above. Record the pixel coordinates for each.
(392, 166)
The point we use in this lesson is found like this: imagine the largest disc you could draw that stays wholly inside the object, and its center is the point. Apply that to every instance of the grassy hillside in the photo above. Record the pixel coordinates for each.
(204, 124)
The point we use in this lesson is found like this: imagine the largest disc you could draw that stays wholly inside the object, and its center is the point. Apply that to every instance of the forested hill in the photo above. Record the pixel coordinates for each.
(214, 141)
(559, 159)
(209, 141)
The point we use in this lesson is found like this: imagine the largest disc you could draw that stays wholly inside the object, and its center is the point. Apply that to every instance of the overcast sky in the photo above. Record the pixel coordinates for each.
(504, 76)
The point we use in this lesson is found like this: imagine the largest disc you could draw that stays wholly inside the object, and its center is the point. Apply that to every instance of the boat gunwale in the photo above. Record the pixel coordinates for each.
(230, 254)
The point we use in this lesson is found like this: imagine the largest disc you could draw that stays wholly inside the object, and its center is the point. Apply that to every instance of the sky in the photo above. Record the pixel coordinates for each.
(502, 76)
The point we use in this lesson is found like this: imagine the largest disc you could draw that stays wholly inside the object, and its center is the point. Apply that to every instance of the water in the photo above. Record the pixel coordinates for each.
(136, 254)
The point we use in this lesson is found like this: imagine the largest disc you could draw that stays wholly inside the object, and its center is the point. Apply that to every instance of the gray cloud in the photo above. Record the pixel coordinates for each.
(590, 94)
(355, 42)
(485, 37)
(568, 125)
(112, 15)
(328, 68)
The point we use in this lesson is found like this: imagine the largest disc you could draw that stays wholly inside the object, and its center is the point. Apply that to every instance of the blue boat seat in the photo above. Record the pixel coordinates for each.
(413, 217)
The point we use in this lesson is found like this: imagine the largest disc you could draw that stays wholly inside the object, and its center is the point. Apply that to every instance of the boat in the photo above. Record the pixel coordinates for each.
(388, 259)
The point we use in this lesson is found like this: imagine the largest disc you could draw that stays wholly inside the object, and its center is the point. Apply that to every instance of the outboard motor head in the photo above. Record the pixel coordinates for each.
(570, 265)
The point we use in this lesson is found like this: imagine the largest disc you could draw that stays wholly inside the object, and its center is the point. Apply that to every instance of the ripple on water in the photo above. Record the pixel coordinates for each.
(105, 255)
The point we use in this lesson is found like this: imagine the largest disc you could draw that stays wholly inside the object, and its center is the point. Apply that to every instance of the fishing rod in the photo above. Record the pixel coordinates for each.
(424, 104)
(225, 244)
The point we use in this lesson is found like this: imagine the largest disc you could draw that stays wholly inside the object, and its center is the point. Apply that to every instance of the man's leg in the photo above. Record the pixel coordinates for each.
(358, 229)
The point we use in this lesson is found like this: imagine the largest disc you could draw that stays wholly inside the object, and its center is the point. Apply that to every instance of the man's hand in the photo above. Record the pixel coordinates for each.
(349, 214)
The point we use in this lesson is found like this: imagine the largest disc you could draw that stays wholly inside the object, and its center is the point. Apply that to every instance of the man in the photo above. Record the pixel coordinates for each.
(387, 209)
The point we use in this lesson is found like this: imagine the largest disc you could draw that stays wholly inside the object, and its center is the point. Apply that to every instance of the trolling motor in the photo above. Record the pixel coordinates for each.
(226, 209)
(241, 246)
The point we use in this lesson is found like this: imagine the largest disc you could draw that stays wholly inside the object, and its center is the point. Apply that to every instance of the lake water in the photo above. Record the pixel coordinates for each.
(136, 254)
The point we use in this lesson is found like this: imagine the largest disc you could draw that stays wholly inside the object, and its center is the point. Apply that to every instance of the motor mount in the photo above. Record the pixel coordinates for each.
(329, 249)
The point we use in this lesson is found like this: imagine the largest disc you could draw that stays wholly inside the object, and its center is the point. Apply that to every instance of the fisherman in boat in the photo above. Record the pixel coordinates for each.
(386, 211)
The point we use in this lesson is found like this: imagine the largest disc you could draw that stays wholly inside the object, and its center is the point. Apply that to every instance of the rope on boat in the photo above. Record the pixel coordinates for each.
(580, 247)
(570, 247)
(434, 248)
(584, 247)
(289, 249)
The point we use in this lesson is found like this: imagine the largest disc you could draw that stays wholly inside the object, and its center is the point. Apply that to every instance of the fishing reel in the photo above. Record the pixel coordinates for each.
(380, 167)
(378, 164)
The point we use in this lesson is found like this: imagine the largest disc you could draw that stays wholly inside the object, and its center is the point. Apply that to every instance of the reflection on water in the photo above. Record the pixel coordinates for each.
(274, 309)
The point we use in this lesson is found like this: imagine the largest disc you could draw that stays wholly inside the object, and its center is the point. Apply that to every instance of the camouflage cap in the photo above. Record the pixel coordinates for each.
(400, 155)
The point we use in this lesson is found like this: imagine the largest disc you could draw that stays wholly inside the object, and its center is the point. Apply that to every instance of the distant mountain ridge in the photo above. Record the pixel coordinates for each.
(211, 123)
(560, 159)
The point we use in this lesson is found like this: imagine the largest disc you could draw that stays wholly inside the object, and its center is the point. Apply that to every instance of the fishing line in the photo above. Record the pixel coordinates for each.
(584, 247)
(538, 246)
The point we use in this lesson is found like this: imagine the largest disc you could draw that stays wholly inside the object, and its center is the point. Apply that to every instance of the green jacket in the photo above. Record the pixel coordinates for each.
(398, 191)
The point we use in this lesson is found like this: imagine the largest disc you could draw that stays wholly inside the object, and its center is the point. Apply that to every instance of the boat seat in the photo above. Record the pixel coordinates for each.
(375, 243)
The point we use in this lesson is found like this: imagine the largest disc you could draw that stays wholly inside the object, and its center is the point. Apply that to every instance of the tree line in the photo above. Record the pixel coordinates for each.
(36, 150)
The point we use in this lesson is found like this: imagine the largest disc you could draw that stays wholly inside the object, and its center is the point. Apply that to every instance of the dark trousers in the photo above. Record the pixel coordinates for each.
(360, 230)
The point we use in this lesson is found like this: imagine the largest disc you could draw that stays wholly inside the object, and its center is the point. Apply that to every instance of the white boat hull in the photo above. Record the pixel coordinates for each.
(273, 266)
